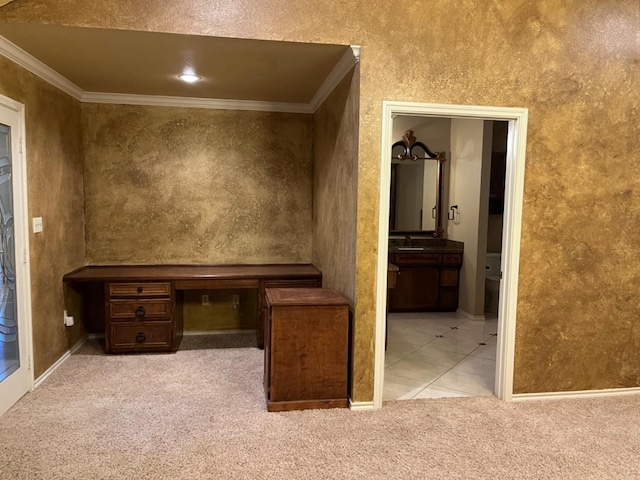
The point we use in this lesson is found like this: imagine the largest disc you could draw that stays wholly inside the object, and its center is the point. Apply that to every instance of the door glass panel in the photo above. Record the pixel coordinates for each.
(9, 354)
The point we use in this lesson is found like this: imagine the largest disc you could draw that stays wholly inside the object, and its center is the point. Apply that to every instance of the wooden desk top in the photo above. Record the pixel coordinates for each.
(109, 273)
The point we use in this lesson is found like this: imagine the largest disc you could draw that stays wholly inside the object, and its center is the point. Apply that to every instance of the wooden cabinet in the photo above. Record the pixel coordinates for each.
(425, 282)
(139, 317)
(279, 283)
(306, 349)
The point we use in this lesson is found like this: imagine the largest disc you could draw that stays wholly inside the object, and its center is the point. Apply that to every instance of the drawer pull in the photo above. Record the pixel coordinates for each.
(140, 313)
(139, 289)
(141, 337)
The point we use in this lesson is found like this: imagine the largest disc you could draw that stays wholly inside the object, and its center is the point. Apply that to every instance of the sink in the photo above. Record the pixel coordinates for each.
(410, 249)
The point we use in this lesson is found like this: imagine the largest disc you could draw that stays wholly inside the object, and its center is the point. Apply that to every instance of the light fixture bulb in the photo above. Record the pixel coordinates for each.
(189, 77)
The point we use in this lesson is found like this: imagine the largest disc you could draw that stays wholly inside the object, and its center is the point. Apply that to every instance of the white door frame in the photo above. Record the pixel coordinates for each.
(23, 270)
(512, 227)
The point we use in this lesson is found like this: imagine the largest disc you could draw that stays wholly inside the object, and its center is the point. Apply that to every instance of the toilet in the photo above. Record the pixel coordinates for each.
(492, 282)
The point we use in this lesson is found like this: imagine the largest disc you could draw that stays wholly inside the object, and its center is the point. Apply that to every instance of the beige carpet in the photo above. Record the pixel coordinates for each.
(200, 413)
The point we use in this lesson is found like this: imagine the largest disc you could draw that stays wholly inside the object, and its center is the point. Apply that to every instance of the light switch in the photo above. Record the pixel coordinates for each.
(37, 224)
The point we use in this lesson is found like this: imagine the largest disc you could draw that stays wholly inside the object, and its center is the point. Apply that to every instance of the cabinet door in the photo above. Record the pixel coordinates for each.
(416, 288)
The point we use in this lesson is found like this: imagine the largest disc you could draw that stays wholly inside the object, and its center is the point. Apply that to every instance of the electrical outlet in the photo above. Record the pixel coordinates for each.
(68, 320)
(205, 299)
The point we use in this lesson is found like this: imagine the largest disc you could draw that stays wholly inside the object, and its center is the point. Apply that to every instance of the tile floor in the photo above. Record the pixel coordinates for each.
(434, 355)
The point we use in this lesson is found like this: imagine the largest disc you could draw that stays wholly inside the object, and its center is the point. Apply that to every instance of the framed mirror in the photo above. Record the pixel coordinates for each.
(416, 188)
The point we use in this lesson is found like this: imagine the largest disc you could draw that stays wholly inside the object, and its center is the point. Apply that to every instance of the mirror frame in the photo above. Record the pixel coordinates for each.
(408, 143)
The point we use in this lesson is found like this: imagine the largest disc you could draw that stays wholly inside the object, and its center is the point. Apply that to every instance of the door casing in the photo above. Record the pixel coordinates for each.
(512, 228)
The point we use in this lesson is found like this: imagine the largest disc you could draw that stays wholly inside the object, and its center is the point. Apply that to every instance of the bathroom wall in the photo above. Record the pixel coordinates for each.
(568, 62)
(179, 185)
(55, 193)
(469, 190)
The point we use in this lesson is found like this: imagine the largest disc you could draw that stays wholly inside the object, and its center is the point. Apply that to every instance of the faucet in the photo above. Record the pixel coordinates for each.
(407, 241)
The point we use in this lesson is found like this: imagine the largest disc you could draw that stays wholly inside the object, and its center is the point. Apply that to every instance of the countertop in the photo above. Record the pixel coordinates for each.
(429, 245)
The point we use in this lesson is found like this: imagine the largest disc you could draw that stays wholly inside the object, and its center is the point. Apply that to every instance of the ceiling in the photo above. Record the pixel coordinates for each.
(147, 63)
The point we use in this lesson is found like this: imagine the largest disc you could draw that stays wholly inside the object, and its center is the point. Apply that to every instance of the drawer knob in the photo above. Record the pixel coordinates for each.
(140, 338)
(140, 313)
(139, 289)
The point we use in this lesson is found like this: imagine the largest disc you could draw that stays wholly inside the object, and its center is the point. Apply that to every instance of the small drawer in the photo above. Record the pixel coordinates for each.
(417, 259)
(302, 283)
(141, 310)
(139, 289)
(141, 336)
(452, 258)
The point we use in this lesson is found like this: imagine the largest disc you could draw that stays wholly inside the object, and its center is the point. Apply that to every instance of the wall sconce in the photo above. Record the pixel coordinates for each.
(454, 214)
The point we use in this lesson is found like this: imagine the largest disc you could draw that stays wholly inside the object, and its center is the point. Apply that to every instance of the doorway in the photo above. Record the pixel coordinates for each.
(514, 185)
(16, 377)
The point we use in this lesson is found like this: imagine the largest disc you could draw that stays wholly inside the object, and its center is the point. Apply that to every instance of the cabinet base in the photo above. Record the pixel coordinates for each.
(306, 404)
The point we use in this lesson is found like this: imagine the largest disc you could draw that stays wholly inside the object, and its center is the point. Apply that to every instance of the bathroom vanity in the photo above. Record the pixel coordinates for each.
(428, 276)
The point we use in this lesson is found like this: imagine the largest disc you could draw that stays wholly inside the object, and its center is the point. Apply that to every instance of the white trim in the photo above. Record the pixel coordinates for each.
(359, 406)
(95, 336)
(59, 362)
(350, 58)
(17, 55)
(189, 102)
(470, 316)
(514, 188)
(190, 333)
(607, 392)
(23, 229)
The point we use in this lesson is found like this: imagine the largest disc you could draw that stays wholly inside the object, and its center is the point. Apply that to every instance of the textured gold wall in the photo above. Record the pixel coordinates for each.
(54, 176)
(178, 185)
(573, 63)
(335, 180)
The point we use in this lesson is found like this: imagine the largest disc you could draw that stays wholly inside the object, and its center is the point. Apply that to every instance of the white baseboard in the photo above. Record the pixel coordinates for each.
(59, 362)
(357, 406)
(608, 392)
(470, 316)
(188, 333)
(95, 336)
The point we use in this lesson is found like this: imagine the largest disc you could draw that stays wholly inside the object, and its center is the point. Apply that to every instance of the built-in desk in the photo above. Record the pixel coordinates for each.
(139, 307)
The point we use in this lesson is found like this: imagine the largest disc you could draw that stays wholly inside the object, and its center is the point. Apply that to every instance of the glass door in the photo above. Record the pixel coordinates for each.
(14, 368)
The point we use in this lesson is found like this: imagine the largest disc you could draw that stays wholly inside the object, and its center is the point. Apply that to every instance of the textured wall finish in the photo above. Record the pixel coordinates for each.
(172, 185)
(573, 63)
(54, 177)
(335, 153)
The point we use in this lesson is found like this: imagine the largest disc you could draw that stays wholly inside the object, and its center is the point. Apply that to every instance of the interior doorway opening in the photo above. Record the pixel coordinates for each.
(516, 123)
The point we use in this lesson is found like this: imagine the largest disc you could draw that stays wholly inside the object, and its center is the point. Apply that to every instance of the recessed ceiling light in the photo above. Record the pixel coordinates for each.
(189, 77)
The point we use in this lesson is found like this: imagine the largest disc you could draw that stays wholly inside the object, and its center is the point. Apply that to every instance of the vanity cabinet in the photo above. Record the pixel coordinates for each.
(425, 281)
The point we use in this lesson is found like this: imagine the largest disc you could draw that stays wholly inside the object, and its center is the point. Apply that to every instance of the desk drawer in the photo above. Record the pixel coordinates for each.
(289, 283)
(141, 336)
(140, 289)
(143, 309)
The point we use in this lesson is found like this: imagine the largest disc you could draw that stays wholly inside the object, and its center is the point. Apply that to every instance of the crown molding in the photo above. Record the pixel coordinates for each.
(35, 66)
(350, 58)
(14, 53)
(189, 102)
